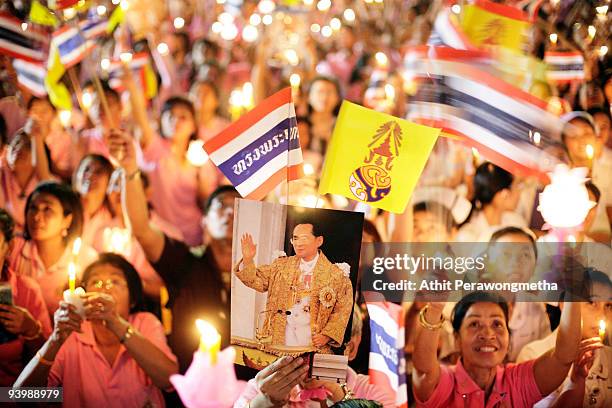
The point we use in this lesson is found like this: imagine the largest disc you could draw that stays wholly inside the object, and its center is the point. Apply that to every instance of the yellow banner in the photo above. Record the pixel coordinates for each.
(375, 158)
(493, 24)
(39, 14)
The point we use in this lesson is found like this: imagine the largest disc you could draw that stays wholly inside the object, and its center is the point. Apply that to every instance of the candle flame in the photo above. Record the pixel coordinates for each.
(590, 151)
(76, 246)
(208, 334)
(602, 325)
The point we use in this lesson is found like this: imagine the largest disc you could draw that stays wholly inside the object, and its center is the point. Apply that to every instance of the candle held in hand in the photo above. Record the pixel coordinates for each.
(602, 329)
(71, 277)
(210, 340)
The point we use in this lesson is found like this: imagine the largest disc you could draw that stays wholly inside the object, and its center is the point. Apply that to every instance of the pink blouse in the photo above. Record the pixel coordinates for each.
(515, 386)
(26, 294)
(12, 196)
(358, 383)
(90, 381)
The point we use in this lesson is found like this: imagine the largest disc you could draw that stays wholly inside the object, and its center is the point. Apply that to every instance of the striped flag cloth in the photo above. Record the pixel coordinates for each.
(387, 362)
(447, 32)
(72, 46)
(142, 71)
(261, 149)
(93, 26)
(17, 43)
(31, 75)
(564, 66)
(510, 127)
(61, 4)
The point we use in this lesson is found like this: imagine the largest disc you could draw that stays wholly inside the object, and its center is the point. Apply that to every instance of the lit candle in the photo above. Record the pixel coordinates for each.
(64, 118)
(602, 329)
(590, 152)
(196, 154)
(210, 339)
(71, 277)
(76, 246)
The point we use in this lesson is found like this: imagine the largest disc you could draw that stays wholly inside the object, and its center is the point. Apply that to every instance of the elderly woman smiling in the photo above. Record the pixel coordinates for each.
(480, 378)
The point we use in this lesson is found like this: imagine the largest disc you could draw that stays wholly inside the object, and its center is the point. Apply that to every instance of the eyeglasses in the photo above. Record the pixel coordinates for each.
(107, 284)
(301, 239)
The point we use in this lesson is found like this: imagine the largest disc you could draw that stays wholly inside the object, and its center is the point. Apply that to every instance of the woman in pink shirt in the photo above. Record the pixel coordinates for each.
(54, 219)
(481, 379)
(19, 174)
(91, 180)
(24, 324)
(115, 355)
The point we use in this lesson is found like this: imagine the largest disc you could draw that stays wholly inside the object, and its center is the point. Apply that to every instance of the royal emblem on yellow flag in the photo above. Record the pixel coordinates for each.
(493, 24)
(375, 158)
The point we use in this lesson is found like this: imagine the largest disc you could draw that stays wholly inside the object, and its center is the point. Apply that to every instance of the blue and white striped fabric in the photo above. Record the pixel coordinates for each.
(72, 46)
(387, 362)
(93, 27)
(31, 76)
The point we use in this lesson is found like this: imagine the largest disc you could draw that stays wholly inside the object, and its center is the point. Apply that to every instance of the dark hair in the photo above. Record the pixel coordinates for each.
(370, 229)
(316, 228)
(511, 231)
(106, 165)
(35, 99)
(593, 276)
(7, 225)
(357, 403)
(129, 272)
(488, 181)
(69, 200)
(184, 38)
(336, 85)
(569, 123)
(224, 189)
(3, 131)
(596, 110)
(592, 188)
(462, 307)
(441, 211)
(178, 101)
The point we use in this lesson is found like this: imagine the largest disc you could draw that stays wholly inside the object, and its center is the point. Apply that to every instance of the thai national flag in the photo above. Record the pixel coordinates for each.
(19, 43)
(564, 66)
(446, 31)
(509, 126)
(72, 46)
(93, 27)
(261, 149)
(31, 75)
(387, 362)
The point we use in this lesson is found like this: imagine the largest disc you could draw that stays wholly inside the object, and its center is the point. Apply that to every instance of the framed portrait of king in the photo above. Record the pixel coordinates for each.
(293, 280)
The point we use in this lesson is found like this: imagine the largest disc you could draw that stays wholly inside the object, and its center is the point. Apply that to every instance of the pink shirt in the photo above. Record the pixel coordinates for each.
(174, 189)
(515, 386)
(25, 261)
(12, 196)
(26, 294)
(101, 218)
(90, 381)
(358, 383)
(93, 142)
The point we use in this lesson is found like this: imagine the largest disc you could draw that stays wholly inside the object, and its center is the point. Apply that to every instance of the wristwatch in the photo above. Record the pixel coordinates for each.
(128, 334)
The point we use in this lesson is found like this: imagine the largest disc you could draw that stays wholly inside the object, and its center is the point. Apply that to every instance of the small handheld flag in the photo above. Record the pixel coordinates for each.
(261, 149)
(375, 158)
(31, 75)
(387, 362)
(19, 43)
(72, 46)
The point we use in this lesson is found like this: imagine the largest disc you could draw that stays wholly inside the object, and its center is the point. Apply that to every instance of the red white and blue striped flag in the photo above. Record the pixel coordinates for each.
(19, 43)
(261, 149)
(564, 66)
(509, 126)
(31, 75)
(93, 27)
(387, 362)
(72, 46)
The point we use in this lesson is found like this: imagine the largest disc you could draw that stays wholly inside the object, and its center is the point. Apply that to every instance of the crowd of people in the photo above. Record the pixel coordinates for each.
(114, 194)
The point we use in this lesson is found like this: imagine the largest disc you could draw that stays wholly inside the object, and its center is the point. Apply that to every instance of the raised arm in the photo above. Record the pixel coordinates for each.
(254, 277)
(39, 156)
(152, 241)
(551, 368)
(139, 107)
(426, 371)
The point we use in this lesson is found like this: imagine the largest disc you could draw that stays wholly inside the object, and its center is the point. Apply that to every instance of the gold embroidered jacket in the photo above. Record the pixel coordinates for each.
(331, 296)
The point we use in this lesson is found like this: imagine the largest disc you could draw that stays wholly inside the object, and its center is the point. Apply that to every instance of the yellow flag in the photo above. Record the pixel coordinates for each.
(150, 82)
(58, 93)
(493, 24)
(39, 14)
(375, 158)
(116, 18)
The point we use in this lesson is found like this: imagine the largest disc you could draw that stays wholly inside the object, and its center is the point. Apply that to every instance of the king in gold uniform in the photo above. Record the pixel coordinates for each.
(306, 286)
